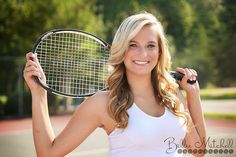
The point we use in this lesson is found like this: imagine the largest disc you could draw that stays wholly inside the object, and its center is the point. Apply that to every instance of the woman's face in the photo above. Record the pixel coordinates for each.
(143, 52)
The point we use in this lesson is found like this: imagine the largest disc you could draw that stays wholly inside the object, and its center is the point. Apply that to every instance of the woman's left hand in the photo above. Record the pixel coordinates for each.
(189, 74)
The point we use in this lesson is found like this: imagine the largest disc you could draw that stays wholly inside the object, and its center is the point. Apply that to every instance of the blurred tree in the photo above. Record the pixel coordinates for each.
(225, 56)
(179, 17)
(21, 22)
(195, 27)
(78, 14)
(204, 39)
(113, 13)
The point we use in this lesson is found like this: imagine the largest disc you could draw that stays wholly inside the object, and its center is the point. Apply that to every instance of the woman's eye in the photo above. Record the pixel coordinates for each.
(132, 45)
(151, 46)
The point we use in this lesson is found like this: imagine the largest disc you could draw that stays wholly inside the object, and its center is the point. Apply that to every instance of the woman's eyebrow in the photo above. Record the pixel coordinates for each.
(133, 41)
(152, 42)
(149, 42)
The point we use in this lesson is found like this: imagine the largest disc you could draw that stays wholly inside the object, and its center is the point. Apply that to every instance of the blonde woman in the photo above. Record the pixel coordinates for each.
(142, 113)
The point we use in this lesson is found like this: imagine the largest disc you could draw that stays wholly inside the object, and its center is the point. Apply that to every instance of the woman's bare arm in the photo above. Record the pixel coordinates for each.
(83, 122)
(196, 136)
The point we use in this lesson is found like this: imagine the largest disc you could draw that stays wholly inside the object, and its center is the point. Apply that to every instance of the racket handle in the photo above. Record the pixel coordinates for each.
(178, 76)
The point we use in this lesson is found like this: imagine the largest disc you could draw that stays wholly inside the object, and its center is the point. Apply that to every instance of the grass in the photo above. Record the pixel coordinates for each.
(220, 116)
(218, 93)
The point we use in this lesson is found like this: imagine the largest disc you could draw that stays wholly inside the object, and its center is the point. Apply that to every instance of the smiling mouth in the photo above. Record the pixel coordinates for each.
(141, 62)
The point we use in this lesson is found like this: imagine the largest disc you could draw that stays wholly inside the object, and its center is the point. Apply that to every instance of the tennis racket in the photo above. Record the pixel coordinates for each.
(74, 62)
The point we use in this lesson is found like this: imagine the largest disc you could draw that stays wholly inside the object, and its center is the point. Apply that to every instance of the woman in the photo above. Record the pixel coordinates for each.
(142, 112)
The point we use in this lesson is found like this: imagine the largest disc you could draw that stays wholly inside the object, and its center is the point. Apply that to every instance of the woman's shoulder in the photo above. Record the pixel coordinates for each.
(97, 102)
(100, 97)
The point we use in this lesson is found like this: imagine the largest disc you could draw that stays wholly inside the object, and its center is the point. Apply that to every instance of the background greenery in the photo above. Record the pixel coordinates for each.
(201, 35)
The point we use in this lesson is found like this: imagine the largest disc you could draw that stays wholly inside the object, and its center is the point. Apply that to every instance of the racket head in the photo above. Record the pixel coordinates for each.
(74, 62)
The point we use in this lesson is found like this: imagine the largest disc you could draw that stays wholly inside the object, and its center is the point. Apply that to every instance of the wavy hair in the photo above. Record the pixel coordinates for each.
(165, 87)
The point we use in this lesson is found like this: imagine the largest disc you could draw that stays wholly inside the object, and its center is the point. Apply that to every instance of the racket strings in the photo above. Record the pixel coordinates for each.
(74, 63)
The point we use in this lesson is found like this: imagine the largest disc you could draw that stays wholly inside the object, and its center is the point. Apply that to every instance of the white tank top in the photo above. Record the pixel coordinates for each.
(148, 136)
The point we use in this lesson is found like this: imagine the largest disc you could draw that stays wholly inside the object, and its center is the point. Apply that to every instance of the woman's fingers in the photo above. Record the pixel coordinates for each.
(30, 73)
(189, 81)
(32, 66)
(181, 70)
(31, 63)
(32, 69)
(189, 74)
(193, 73)
(30, 56)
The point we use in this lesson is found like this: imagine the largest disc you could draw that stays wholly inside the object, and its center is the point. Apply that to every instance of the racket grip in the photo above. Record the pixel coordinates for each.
(178, 76)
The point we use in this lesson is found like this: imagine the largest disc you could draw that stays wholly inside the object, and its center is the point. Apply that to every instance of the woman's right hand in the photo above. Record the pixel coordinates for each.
(33, 68)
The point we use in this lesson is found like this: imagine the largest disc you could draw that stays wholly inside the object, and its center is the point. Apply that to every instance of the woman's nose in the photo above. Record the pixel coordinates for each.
(143, 52)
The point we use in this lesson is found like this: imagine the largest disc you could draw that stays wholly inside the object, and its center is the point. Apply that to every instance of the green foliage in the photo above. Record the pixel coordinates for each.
(225, 56)
(79, 14)
(21, 22)
(179, 18)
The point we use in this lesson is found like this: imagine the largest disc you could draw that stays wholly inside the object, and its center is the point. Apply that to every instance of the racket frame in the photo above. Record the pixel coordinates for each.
(45, 35)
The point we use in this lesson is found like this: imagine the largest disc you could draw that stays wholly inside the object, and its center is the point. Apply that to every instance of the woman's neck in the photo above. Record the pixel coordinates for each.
(140, 86)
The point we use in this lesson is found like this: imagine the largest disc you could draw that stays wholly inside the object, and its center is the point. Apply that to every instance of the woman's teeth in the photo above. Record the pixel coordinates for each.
(141, 62)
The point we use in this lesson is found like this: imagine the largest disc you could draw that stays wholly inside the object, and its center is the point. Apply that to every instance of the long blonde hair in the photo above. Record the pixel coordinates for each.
(165, 87)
